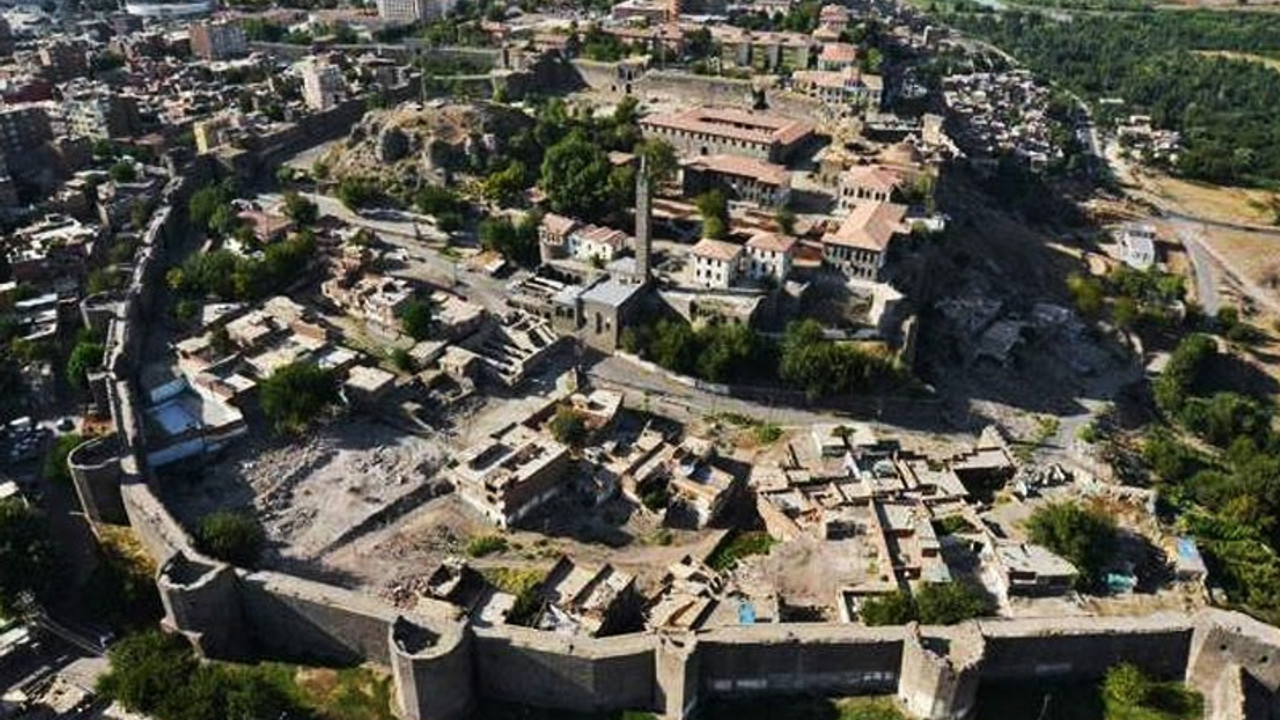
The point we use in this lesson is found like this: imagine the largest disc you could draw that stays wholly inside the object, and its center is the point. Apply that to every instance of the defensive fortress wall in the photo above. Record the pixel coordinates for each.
(441, 663)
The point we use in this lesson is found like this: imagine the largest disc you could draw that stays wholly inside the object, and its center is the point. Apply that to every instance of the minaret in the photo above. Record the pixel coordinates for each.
(644, 218)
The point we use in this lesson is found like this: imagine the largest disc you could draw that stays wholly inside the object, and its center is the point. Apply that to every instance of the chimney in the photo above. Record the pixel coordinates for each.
(644, 217)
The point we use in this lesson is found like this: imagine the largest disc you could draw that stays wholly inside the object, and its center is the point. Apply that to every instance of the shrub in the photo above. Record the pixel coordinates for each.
(484, 545)
(1083, 536)
(568, 426)
(895, 608)
(950, 603)
(231, 536)
(295, 394)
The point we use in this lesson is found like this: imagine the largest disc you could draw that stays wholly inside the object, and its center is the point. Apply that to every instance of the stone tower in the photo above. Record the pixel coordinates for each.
(644, 218)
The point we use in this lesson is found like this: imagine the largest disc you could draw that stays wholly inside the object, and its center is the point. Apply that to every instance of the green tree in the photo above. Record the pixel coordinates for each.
(85, 356)
(568, 426)
(1084, 536)
(505, 187)
(26, 555)
(786, 219)
(1126, 685)
(123, 172)
(355, 193)
(674, 346)
(417, 318)
(575, 177)
(895, 608)
(146, 670)
(231, 536)
(714, 209)
(661, 162)
(950, 603)
(299, 209)
(727, 351)
(1086, 293)
(55, 469)
(297, 393)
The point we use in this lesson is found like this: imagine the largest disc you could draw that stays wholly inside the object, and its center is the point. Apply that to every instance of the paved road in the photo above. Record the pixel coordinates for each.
(417, 237)
(1202, 265)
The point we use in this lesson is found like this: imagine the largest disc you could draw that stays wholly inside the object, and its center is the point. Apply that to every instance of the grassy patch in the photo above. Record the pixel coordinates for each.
(1082, 701)
(521, 582)
(484, 545)
(738, 546)
(1047, 426)
(764, 432)
(346, 694)
(804, 708)
(953, 525)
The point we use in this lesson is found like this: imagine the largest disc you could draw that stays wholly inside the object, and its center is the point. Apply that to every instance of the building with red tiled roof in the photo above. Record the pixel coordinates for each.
(725, 131)
(741, 179)
(769, 256)
(716, 263)
(837, 56)
(862, 184)
(840, 88)
(858, 247)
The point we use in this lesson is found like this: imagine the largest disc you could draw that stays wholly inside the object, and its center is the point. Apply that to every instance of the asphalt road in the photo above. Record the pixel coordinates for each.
(417, 239)
(1202, 265)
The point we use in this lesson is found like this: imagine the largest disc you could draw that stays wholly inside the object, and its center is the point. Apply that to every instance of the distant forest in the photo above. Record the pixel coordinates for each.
(1226, 108)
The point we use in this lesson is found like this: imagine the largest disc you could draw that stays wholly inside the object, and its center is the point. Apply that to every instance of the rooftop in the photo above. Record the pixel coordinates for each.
(759, 170)
(716, 250)
(736, 124)
(871, 226)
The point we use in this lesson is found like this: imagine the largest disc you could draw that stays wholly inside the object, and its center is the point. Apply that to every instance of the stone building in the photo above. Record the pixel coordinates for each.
(412, 11)
(769, 256)
(858, 247)
(868, 184)
(716, 263)
(741, 179)
(720, 131)
(841, 90)
(512, 475)
(322, 83)
(218, 40)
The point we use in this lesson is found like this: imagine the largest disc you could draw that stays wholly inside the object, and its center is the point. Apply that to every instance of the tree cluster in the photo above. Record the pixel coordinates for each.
(715, 352)
(515, 241)
(1223, 107)
(1082, 535)
(228, 276)
(26, 555)
(933, 604)
(296, 394)
(821, 367)
(158, 675)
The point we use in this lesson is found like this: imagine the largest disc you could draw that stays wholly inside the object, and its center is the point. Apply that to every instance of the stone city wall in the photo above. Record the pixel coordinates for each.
(551, 670)
(440, 663)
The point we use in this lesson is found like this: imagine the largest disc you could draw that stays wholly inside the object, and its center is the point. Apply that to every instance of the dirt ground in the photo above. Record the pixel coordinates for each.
(618, 533)
(308, 493)
(1214, 202)
(1251, 255)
